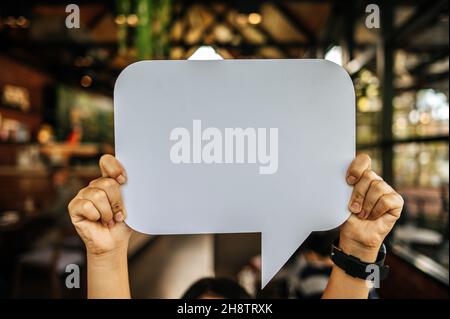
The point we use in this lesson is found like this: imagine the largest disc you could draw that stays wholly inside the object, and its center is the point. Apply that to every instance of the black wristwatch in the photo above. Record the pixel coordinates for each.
(354, 267)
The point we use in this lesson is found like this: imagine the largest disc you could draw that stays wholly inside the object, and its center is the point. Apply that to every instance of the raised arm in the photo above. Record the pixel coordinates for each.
(98, 214)
(375, 207)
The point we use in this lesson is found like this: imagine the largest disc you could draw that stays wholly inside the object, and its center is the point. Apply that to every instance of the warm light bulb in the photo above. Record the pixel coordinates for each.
(254, 18)
(132, 20)
(86, 81)
(205, 52)
(120, 19)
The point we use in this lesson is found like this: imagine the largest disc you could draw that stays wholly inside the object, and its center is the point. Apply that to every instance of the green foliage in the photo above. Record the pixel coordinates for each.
(151, 35)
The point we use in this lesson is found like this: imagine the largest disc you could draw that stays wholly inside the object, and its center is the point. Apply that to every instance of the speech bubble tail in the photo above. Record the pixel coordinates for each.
(277, 247)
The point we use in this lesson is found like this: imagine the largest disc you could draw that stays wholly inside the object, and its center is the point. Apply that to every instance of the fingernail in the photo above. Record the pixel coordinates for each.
(111, 223)
(121, 179)
(366, 214)
(355, 207)
(351, 179)
(118, 217)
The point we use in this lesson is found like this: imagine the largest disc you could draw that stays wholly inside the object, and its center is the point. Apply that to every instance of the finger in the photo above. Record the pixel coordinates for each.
(81, 209)
(112, 189)
(356, 169)
(99, 198)
(360, 190)
(111, 167)
(376, 190)
(389, 203)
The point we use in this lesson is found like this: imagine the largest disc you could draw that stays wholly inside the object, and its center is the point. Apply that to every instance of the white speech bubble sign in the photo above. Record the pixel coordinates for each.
(311, 103)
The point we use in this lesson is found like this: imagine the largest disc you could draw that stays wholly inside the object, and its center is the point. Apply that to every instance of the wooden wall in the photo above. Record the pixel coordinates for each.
(15, 185)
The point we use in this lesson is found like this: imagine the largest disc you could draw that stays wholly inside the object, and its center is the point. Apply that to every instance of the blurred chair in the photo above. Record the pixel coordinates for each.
(52, 260)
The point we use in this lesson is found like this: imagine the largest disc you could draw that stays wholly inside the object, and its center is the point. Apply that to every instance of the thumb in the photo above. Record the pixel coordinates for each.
(111, 167)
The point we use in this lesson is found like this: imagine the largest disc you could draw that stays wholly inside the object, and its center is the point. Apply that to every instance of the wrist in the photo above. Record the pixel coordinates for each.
(107, 274)
(363, 252)
(111, 257)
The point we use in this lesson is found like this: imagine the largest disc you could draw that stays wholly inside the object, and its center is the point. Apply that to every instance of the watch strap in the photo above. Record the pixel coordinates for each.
(357, 268)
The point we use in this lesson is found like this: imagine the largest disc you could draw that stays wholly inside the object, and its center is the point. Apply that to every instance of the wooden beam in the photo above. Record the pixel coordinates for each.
(296, 22)
(422, 66)
(288, 45)
(424, 16)
(385, 65)
(425, 81)
(418, 139)
(98, 18)
(270, 41)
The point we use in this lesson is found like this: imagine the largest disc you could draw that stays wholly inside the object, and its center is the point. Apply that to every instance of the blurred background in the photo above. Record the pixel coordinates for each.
(56, 120)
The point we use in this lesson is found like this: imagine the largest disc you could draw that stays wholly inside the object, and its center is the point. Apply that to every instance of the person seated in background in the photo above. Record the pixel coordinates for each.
(65, 186)
(98, 214)
(215, 288)
(311, 267)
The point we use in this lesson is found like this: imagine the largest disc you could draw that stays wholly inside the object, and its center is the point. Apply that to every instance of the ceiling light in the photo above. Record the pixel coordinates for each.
(120, 19)
(334, 55)
(22, 22)
(241, 19)
(86, 81)
(254, 18)
(205, 52)
(132, 20)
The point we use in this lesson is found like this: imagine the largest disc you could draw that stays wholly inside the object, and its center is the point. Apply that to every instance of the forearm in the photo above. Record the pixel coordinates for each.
(108, 275)
(343, 286)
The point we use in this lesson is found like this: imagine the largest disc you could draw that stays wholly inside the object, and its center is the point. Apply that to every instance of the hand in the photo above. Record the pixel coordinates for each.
(98, 212)
(375, 207)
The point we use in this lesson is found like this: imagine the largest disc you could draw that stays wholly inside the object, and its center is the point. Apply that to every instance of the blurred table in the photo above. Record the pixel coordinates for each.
(414, 275)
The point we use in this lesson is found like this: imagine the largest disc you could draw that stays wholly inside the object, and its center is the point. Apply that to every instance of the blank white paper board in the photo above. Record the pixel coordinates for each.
(311, 105)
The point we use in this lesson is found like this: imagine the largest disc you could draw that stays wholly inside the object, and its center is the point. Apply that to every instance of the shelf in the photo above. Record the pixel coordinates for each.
(85, 149)
(31, 119)
(422, 263)
(15, 112)
(16, 171)
(23, 171)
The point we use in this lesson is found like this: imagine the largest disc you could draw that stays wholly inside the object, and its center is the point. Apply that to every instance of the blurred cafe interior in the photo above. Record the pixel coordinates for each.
(56, 120)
